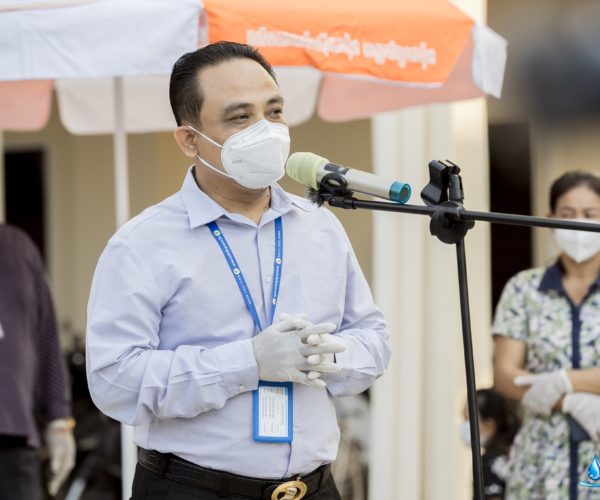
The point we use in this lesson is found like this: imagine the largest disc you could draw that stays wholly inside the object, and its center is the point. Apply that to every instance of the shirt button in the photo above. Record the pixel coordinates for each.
(268, 279)
(241, 387)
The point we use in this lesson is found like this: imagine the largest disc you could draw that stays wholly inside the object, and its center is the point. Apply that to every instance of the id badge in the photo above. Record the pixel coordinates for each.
(273, 412)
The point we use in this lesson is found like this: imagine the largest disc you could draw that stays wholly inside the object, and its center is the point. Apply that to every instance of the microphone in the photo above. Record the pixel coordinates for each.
(309, 169)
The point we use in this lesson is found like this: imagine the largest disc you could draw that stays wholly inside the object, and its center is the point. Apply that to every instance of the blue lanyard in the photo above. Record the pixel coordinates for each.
(239, 277)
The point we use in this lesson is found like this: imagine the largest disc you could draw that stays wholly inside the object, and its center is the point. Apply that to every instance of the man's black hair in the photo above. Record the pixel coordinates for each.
(184, 90)
(571, 180)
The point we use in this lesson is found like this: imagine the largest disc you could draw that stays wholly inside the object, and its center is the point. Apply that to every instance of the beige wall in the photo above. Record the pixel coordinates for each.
(80, 198)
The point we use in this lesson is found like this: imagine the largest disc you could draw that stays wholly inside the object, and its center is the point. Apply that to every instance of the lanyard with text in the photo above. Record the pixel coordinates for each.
(272, 401)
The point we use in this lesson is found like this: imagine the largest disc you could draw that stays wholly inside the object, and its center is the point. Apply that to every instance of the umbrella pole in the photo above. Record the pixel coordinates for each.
(120, 155)
(121, 172)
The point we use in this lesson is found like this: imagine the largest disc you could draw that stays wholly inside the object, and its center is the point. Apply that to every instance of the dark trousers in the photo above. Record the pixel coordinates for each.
(150, 486)
(20, 475)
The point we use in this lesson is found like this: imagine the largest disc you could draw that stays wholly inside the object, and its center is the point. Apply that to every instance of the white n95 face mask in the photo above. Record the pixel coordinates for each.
(464, 432)
(579, 245)
(254, 157)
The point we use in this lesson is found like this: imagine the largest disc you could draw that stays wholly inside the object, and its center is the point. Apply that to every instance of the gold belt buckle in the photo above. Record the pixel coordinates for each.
(290, 490)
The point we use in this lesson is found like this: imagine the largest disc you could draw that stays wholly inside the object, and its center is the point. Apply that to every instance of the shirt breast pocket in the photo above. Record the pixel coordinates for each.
(324, 297)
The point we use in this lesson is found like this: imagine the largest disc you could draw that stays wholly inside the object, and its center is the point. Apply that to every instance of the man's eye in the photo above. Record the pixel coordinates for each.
(566, 215)
(276, 112)
(239, 118)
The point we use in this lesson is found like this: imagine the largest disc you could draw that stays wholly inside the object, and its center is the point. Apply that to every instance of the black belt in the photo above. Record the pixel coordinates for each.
(224, 483)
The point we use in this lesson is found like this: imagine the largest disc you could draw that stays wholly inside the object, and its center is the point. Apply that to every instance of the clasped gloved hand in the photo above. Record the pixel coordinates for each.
(61, 451)
(585, 408)
(281, 352)
(545, 391)
(317, 334)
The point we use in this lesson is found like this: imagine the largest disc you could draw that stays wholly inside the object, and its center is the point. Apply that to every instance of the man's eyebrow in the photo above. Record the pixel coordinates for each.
(237, 106)
(275, 100)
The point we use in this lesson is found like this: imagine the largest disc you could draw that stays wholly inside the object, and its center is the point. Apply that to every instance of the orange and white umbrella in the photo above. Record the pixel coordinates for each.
(45, 42)
(349, 59)
(340, 59)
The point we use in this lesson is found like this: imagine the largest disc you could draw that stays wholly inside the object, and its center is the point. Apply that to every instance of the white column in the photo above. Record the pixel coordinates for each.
(398, 268)
(417, 405)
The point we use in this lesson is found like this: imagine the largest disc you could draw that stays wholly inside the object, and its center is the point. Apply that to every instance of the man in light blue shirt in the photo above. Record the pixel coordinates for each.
(222, 321)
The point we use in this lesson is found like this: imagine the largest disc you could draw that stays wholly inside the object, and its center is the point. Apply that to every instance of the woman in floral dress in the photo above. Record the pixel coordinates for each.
(547, 355)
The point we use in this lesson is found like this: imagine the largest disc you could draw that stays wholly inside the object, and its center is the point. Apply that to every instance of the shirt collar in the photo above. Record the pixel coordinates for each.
(552, 279)
(283, 202)
(202, 209)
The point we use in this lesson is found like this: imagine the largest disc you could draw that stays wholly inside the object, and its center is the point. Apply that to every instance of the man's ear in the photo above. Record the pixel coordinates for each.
(185, 139)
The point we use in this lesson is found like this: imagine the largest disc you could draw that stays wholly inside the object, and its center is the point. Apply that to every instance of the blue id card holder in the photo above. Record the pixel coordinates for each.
(273, 412)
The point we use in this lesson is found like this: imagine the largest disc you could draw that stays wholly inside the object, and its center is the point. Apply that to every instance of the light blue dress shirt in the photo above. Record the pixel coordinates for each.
(169, 346)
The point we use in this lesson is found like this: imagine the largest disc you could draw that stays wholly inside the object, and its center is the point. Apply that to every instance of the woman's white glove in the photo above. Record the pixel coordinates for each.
(60, 443)
(281, 351)
(545, 391)
(585, 408)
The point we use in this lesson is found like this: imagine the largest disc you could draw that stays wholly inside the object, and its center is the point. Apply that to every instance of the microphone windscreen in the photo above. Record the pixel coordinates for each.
(302, 167)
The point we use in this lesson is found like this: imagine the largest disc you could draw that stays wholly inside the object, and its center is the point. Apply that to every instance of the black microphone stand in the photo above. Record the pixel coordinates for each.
(443, 198)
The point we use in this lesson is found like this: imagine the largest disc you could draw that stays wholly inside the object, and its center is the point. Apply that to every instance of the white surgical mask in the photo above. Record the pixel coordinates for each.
(254, 157)
(579, 245)
(464, 431)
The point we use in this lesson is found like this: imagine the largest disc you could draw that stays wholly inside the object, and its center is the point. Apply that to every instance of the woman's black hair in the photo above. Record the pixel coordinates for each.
(571, 180)
(491, 404)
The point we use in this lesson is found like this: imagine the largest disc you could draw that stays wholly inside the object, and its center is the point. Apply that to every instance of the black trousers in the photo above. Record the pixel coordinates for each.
(20, 471)
(150, 486)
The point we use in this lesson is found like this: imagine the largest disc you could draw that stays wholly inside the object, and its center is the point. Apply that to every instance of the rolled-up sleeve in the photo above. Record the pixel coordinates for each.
(130, 378)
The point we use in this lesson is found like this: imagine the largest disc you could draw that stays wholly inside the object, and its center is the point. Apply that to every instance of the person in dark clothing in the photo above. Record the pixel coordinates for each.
(34, 385)
(498, 424)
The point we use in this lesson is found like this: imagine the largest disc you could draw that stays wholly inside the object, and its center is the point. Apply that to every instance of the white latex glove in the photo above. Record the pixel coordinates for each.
(60, 443)
(281, 351)
(545, 391)
(320, 334)
(585, 408)
(315, 335)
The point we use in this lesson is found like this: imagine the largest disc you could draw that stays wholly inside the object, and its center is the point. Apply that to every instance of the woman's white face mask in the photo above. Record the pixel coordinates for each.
(464, 432)
(579, 245)
(254, 157)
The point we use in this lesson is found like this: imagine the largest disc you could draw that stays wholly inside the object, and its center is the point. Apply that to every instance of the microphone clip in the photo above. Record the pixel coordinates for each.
(331, 185)
(445, 192)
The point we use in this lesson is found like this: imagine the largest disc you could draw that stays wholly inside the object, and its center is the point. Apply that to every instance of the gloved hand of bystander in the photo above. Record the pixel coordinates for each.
(585, 408)
(60, 443)
(545, 390)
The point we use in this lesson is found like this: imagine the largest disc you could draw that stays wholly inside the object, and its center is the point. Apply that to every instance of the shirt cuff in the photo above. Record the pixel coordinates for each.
(344, 360)
(238, 368)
